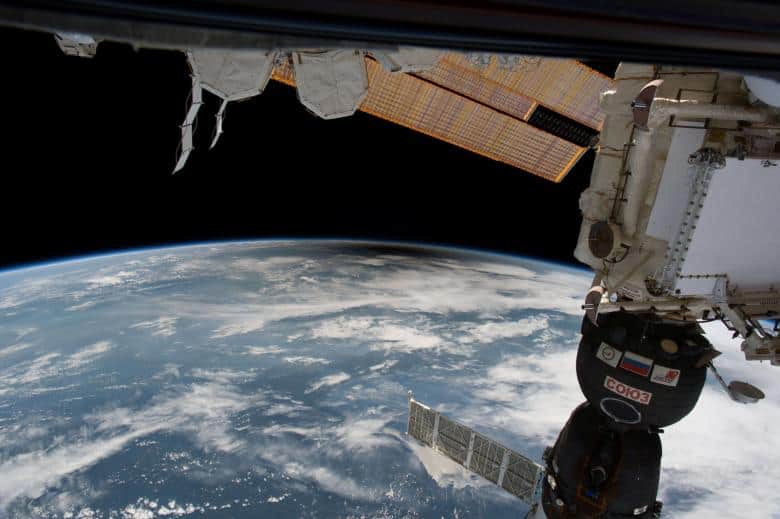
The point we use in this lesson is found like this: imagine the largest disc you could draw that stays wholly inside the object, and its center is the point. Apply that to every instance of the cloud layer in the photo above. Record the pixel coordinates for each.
(291, 359)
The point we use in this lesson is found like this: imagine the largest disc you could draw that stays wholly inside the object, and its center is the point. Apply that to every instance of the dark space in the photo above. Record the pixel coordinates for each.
(89, 148)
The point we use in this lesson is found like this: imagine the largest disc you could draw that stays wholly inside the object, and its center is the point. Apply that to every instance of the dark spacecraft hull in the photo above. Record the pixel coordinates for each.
(692, 33)
(639, 385)
(594, 471)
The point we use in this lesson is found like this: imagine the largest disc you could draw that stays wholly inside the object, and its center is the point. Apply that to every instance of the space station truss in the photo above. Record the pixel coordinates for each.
(539, 116)
(500, 465)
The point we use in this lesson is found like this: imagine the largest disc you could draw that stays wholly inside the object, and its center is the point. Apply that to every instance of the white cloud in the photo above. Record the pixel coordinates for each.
(398, 337)
(473, 286)
(169, 370)
(223, 376)
(81, 306)
(203, 411)
(306, 361)
(177, 510)
(87, 355)
(495, 330)
(112, 280)
(411, 285)
(329, 380)
(14, 348)
(22, 433)
(383, 365)
(308, 432)
(530, 396)
(31, 473)
(280, 264)
(50, 365)
(86, 513)
(143, 508)
(240, 325)
(164, 326)
(363, 435)
(38, 369)
(331, 481)
(345, 328)
(382, 333)
(297, 451)
(723, 449)
(264, 350)
(285, 409)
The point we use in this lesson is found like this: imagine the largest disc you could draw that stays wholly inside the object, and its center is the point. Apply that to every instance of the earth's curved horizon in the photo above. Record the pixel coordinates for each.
(407, 246)
(269, 377)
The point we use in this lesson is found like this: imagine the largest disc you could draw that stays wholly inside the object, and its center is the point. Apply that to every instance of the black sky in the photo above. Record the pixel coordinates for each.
(89, 146)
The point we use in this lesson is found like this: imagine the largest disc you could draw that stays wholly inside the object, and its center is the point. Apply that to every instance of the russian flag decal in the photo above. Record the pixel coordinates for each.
(636, 364)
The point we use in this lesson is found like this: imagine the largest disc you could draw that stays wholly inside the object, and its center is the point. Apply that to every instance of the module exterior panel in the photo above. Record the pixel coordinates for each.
(729, 238)
(498, 464)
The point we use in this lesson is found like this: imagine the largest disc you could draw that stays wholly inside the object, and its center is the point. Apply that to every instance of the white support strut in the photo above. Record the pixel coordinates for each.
(470, 452)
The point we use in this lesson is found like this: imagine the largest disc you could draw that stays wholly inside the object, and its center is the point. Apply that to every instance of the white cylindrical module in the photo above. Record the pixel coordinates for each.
(662, 109)
(640, 162)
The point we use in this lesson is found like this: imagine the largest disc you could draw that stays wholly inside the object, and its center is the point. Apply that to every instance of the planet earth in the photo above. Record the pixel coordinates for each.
(270, 379)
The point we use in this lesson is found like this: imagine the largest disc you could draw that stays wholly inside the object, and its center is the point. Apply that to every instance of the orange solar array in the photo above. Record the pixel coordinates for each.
(562, 85)
(470, 82)
(484, 117)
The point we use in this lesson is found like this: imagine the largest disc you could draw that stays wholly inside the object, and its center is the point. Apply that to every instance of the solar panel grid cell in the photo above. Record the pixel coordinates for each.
(421, 422)
(521, 476)
(453, 440)
(487, 457)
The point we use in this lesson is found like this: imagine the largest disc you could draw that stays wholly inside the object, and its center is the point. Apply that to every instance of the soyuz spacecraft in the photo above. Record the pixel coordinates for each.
(678, 226)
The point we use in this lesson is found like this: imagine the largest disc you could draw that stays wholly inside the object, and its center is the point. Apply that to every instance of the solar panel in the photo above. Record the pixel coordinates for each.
(468, 107)
(563, 85)
(500, 465)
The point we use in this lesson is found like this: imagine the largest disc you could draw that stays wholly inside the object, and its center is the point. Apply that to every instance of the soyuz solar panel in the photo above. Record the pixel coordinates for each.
(500, 465)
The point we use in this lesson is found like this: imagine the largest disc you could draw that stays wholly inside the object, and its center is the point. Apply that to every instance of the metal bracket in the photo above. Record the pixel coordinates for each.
(502, 470)
(435, 433)
(704, 162)
(758, 344)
